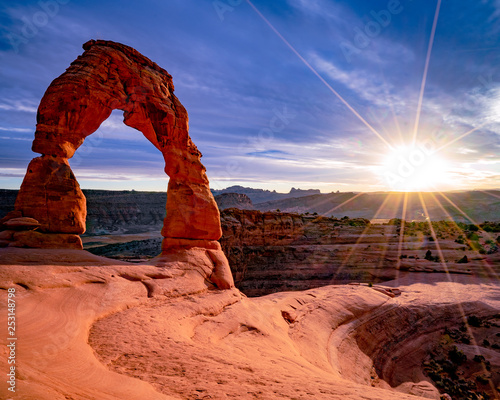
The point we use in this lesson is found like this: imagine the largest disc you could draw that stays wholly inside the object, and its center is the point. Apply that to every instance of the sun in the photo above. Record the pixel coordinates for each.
(414, 169)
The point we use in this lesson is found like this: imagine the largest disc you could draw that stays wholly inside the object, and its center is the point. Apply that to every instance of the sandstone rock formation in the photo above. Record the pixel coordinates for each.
(94, 328)
(105, 77)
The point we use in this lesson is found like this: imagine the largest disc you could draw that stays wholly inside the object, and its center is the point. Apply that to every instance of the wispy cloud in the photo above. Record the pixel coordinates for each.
(15, 129)
(362, 82)
(12, 172)
(332, 11)
(16, 105)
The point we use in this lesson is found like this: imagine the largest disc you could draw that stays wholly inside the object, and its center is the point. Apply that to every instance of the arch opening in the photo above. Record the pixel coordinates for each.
(118, 157)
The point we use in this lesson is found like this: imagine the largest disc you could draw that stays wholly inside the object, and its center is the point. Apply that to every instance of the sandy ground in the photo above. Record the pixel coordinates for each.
(92, 328)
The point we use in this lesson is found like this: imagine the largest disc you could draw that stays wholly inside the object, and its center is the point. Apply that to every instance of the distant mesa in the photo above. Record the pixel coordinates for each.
(302, 192)
(234, 200)
(109, 76)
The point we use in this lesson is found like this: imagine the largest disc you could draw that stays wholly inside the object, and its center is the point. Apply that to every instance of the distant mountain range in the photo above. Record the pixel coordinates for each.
(261, 195)
(129, 211)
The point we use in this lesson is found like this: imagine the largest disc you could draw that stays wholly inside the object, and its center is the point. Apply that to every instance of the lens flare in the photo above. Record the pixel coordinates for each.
(414, 168)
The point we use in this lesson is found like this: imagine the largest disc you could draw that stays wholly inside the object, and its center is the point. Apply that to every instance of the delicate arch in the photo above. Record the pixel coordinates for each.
(105, 77)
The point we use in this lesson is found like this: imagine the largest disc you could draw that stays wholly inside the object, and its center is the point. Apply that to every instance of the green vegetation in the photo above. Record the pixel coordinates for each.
(466, 234)
(488, 226)
(450, 369)
(359, 222)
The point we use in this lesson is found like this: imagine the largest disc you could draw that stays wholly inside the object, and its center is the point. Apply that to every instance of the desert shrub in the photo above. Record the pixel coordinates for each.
(465, 339)
(457, 357)
(472, 236)
(490, 226)
(475, 321)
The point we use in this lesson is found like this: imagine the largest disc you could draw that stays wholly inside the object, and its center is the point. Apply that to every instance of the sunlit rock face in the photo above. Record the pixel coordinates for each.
(105, 77)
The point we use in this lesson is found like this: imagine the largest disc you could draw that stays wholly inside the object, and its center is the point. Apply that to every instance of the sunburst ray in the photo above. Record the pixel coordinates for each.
(358, 241)
(318, 75)
(426, 70)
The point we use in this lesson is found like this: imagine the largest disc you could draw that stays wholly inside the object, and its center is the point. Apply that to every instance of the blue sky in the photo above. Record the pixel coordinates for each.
(261, 82)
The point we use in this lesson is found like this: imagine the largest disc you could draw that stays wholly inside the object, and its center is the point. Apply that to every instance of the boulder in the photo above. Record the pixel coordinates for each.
(6, 235)
(22, 223)
(38, 240)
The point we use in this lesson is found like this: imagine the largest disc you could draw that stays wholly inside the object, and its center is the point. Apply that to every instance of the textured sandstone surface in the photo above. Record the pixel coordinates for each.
(51, 194)
(89, 327)
(105, 77)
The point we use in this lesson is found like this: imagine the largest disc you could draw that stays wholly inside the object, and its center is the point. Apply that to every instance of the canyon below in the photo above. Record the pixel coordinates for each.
(324, 307)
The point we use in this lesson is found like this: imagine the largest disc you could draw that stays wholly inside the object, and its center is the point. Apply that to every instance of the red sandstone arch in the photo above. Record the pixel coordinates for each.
(105, 77)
